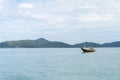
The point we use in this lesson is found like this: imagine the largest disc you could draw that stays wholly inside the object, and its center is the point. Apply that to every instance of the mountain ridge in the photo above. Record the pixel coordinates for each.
(44, 43)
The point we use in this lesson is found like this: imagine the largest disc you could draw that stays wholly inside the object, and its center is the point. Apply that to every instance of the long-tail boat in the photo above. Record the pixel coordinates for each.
(91, 49)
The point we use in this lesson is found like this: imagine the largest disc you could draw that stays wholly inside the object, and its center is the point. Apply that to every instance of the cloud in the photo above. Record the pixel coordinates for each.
(26, 5)
(2, 2)
(25, 8)
(97, 17)
(64, 15)
(88, 7)
(58, 19)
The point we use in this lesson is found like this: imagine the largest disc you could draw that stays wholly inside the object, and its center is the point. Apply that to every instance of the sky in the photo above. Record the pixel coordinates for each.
(70, 21)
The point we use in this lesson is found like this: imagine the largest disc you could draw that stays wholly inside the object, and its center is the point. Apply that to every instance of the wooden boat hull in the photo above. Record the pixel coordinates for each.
(86, 50)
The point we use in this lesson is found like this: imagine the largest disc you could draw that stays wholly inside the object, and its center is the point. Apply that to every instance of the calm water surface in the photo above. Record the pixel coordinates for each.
(59, 64)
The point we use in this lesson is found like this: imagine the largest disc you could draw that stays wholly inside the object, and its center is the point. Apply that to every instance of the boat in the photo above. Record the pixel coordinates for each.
(91, 49)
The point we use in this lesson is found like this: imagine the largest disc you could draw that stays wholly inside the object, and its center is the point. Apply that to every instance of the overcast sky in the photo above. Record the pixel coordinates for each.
(71, 21)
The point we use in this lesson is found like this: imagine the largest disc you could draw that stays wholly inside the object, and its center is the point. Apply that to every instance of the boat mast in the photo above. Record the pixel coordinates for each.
(84, 45)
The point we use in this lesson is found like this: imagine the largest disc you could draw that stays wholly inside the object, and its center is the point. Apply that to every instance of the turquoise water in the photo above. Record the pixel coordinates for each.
(59, 64)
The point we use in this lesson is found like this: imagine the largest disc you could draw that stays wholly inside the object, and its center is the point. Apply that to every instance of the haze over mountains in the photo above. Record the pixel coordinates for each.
(43, 43)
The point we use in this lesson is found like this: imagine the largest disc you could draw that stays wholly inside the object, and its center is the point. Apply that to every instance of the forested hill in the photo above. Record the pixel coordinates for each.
(38, 43)
(43, 43)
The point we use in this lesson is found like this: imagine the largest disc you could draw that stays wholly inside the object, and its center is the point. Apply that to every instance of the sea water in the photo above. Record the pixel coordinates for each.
(59, 64)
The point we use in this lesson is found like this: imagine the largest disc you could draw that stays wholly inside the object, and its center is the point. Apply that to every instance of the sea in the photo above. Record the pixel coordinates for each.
(59, 64)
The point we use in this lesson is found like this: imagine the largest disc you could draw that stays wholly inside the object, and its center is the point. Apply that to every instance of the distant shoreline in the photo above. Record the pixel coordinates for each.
(43, 43)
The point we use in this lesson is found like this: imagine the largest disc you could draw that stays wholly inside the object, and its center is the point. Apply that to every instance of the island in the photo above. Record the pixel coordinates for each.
(44, 43)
